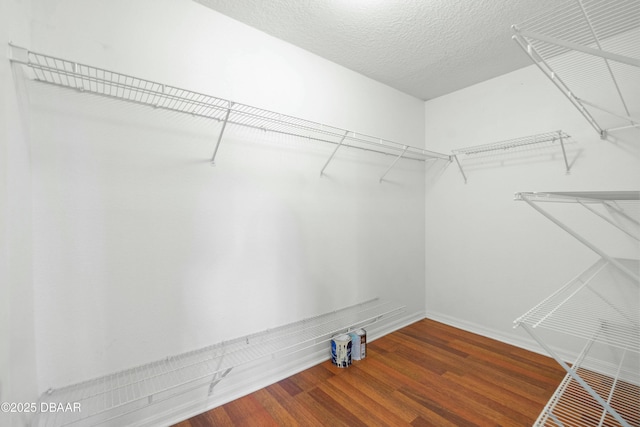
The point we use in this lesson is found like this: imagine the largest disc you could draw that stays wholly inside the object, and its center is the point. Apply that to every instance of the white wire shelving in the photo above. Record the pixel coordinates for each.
(587, 305)
(107, 399)
(618, 209)
(95, 80)
(590, 50)
(601, 307)
(616, 383)
(553, 139)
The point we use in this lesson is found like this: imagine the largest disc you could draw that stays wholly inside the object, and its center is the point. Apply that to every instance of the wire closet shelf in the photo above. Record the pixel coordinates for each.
(590, 50)
(87, 78)
(554, 139)
(587, 307)
(114, 396)
(600, 307)
(617, 383)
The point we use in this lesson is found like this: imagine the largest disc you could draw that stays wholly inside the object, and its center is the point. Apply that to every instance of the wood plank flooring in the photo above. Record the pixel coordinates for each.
(426, 374)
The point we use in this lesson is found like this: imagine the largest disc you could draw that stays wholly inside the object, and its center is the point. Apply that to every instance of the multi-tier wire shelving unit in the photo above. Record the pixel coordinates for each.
(590, 50)
(552, 139)
(112, 84)
(601, 308)
(107, 399)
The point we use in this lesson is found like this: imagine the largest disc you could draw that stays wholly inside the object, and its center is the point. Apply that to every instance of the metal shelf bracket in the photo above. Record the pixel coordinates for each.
(548, 138)
(530, 198)
(455, 156)
(108, 398)
(555, 79)
(584, 49)
(564, 152)
(219, 376)
(577, 378)
(394, 163)
(90, 79)
(224, 125)
(600, 36)
(333, 153)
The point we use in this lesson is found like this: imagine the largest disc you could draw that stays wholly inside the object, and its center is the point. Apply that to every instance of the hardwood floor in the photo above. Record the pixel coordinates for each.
(426, 374)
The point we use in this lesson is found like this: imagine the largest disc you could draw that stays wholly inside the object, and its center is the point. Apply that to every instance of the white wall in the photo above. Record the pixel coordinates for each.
(141, 249)
(18, 370)
(489, 258)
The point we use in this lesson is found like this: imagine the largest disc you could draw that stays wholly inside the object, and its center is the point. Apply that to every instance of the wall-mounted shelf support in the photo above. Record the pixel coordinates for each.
(593, 45)
(576, 197)
(105, 400)
(618, 210)
(99, 81)
(333, 153)
(217, 377)
(600, 307)
(634, 120)
(620, 58)
(572, 373)
(393, 163)
(556, 80)
(224, 125)
(548, 137)
(609, 220)
(580, 48)
(564, 152)
(455, 156)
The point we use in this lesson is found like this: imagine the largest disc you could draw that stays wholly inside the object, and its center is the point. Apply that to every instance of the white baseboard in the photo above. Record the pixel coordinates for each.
(232, 388)
(396, 324)
(512, 339)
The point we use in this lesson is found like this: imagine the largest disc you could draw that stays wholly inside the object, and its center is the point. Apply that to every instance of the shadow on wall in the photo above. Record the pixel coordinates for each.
(626, 140)
(433, 172)
(520, 156)
(19, 375)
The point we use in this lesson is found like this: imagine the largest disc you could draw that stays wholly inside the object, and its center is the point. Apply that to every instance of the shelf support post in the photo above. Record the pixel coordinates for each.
(334, 153)
(551, 405)
(595, 212)
(564, 153)
(224, 125)
(555, 79)
(455, 156)
(635, 121)
(595, 37)
(577, 378)
(394, 163)
(622, 268)
(621, 212)
(217, 378)
(584, 49)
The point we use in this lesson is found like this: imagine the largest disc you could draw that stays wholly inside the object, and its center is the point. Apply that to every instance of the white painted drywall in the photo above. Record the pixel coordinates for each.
(142, 250)
(489, 258)
(18, 370)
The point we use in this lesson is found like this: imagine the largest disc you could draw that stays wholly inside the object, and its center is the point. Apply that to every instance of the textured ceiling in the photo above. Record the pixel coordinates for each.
(425, 48)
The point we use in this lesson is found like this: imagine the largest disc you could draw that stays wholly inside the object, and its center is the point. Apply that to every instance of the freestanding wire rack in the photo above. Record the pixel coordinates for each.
(590, 50)
(107, 399)
(95, 80)
(601, 307)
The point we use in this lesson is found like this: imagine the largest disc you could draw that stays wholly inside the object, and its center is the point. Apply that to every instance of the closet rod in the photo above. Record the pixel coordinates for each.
(87, 78)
